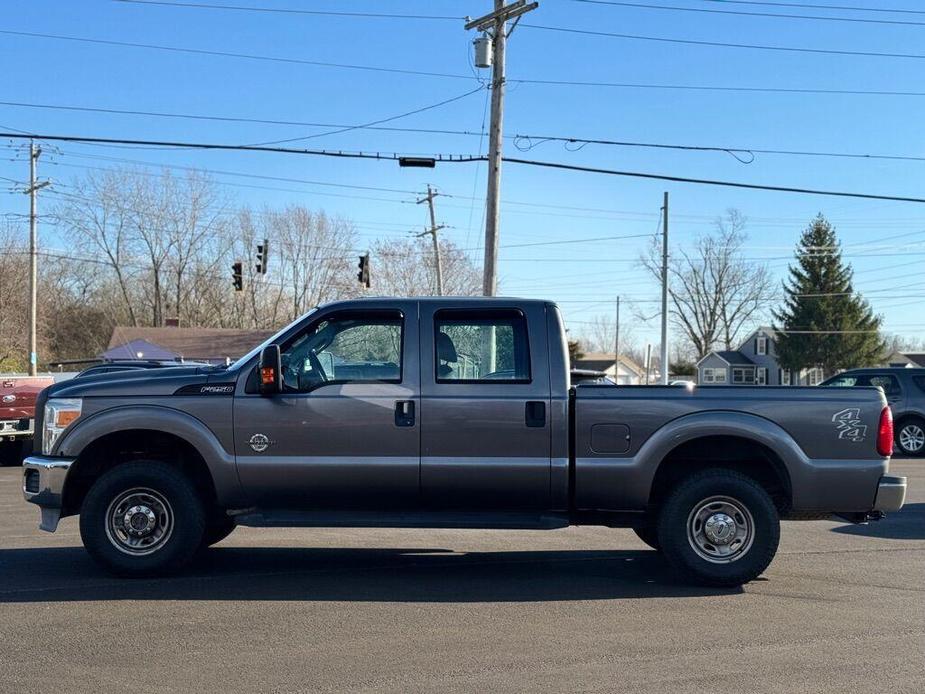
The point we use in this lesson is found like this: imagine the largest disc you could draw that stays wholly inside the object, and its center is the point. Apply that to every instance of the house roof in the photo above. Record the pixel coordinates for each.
(733, 357)
(918, 358)
(601, 361)
(188, 343)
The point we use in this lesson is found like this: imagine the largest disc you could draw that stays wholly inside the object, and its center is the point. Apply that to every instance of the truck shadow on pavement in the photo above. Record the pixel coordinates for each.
(65, 574)
(908, 524)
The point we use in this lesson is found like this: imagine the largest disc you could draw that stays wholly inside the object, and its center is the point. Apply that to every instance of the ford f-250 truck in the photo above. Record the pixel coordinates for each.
(447, 412)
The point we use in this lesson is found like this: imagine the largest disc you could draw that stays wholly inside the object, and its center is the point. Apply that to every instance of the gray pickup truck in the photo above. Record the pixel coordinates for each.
(447, 412)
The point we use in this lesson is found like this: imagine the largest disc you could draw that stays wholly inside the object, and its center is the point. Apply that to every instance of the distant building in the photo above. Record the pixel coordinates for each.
(212, 345)
(904, 360)
(629, 374)
(754, 363)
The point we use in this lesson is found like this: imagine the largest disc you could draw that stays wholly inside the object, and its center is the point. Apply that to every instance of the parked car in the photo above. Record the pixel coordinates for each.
(905, 391)
(447, 412)
(17, 409)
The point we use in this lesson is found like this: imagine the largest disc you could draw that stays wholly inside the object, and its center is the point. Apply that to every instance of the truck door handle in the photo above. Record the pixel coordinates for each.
(535, 413)
(404, 413)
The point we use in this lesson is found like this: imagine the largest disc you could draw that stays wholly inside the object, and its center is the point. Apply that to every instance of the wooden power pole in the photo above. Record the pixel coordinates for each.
(434, 228)
(494, 26)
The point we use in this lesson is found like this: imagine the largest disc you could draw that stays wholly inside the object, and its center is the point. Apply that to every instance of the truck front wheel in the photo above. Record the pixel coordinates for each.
(142, 518)
(719, 528)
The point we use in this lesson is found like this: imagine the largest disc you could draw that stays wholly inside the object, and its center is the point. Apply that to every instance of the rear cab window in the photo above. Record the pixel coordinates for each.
(481, 346)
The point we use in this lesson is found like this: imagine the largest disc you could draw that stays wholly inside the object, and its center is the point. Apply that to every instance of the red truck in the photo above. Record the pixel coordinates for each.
(17, 413)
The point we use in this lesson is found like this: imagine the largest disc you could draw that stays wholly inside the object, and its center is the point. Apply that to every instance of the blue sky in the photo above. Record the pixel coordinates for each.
(541, 205)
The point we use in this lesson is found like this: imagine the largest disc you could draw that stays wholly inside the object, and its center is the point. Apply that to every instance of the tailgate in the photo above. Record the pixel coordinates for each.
(18, 396)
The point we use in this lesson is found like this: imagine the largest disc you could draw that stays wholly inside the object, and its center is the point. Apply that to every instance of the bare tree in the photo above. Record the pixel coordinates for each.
(408, 268)
(14, 289)
(714, 292)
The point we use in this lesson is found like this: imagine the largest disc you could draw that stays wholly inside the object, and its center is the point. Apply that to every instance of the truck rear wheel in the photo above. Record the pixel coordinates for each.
(141, 519)
(719, 528)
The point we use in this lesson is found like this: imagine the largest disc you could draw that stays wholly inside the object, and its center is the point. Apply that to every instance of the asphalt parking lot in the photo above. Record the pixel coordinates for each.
(842, 609)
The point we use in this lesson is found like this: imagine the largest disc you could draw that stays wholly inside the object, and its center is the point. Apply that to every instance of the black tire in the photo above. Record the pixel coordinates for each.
(649, 534)
(151, 489)
(908, 436)
(718, 496)
(217, 529)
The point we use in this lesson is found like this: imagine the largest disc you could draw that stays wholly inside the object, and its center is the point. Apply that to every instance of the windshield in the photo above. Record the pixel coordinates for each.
(269, 341)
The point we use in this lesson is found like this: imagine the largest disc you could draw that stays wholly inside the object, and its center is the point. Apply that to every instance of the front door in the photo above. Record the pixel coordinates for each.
(485, 410)
(344, 432)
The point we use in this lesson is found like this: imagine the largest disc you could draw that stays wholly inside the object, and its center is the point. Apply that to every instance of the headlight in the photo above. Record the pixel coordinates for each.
(59, 414)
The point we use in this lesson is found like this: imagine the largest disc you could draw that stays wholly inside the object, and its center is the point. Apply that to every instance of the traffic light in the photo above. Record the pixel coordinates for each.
(363, 274)
(262, 252)
(237, 276)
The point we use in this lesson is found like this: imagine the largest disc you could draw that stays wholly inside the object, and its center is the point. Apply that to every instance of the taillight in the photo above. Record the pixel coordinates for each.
(885, 433)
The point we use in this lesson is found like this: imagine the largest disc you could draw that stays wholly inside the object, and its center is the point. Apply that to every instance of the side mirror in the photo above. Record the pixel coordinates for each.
(269, 373)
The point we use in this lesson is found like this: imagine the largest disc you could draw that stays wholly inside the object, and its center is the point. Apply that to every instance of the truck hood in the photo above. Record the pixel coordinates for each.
(162, 381)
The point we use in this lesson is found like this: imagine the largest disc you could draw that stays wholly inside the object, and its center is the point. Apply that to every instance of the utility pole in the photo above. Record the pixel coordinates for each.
(648, 360)
(494, 25)
(616, 347)
(34, 187)
(429, 199)
(664, 351)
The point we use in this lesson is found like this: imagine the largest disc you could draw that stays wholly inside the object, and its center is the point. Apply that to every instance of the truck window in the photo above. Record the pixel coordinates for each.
(842, 382)
(345, 348)
(481, 346)
(920, 382)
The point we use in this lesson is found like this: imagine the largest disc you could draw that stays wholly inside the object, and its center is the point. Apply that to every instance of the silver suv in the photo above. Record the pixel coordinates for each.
(905, 391)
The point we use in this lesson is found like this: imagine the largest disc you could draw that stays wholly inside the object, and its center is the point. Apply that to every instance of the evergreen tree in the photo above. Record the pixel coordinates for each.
(820, 298)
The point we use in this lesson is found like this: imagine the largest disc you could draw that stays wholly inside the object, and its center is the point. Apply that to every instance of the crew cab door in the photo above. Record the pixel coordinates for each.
(344, 432)
(485, 411)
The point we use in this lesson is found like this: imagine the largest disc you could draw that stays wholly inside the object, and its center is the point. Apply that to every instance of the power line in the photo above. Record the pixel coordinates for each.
(377, 122)
(456, 159)
(228, 54)
(743, 154)
(234, 119)
(207, 6)
(718, 88)
(229, 147)
(524, 142)
(674, 8)
(711, 182)
(422, 73)
(723, 44)
(820, 7)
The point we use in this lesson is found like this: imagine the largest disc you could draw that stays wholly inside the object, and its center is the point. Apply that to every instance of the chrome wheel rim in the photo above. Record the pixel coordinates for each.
(139, 521)
(720, 529)
(912, 438)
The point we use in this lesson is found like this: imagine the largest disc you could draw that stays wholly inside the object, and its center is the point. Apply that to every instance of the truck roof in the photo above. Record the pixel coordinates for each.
(446, 300)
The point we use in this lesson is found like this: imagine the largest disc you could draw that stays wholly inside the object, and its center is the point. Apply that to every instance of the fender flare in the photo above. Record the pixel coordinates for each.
(220, 463)
(626, 483)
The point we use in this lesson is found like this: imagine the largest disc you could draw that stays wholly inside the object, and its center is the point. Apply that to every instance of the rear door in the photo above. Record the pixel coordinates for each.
(485, 408)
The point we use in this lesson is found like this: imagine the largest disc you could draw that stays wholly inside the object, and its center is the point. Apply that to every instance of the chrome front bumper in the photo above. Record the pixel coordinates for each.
(891, 494)
(43, 479)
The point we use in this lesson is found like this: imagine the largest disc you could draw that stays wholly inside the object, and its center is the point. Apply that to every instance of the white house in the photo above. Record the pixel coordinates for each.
(629, 373)
(754, 363)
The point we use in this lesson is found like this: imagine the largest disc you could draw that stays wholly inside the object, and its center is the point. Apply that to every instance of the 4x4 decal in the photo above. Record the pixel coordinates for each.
(848, 424)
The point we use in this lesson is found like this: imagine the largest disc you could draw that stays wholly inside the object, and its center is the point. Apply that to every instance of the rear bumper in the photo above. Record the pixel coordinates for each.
(43, 483)
(11, 429)
(891, 494)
